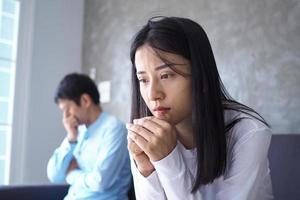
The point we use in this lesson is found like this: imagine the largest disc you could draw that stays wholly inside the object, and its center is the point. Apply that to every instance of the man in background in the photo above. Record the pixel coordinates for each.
(93, 157)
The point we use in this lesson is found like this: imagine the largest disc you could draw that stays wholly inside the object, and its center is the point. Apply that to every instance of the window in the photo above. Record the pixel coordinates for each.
(9, 17)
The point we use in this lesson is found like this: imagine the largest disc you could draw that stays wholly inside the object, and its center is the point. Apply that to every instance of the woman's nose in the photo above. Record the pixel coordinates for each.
(155, 92)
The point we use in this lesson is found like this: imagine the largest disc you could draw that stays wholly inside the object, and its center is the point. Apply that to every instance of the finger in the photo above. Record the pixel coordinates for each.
(150, 125)
(139, 140)
(157, 126)
(76, 118)
(72, 120)
(161, 122)
(146, 134)
(133, 147)
(139, 160)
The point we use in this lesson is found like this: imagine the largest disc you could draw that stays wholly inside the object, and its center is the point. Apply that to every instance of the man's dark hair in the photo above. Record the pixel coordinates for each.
(73, 85)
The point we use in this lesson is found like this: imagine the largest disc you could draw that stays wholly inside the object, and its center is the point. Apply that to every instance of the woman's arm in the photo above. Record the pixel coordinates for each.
(176, 178)
(247, 176)
(157, 138)
(147, 188)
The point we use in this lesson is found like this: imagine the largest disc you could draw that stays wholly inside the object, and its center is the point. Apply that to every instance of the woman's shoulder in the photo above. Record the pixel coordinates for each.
(246, 126)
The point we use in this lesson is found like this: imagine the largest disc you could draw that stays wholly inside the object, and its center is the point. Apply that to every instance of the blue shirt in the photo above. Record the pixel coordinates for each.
(102, 155)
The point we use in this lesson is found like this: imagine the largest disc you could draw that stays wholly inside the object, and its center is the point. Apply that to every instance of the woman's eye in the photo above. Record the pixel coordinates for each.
(142, 80)
(165, 76)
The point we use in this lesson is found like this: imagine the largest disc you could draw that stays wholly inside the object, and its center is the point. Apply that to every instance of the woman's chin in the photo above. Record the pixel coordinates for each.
(164, 117)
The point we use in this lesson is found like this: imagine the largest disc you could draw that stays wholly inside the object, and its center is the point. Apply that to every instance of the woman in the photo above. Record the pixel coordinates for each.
(188, 138)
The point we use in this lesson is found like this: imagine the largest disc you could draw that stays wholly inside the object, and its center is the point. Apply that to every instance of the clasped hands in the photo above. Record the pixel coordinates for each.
(150, 139)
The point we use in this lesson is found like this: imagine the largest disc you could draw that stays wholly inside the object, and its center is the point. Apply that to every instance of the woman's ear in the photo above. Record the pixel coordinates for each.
(85, 100)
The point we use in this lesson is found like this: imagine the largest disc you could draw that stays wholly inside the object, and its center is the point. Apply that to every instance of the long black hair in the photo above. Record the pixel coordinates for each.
(186, 38)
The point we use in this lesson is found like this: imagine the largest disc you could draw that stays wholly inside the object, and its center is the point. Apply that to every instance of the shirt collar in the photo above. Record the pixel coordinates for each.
(91, 129)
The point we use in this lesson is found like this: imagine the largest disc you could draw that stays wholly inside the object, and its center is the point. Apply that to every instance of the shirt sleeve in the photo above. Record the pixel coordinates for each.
(111, 160)
(175, 177)
(147, 188)
(59, 162)
(248, 167)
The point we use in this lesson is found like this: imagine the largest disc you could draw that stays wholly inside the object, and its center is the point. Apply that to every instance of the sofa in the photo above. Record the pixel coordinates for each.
(33, 192)
(40, 192)
(284, 160)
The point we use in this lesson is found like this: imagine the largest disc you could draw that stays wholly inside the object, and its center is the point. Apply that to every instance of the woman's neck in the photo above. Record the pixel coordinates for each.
(185, 133)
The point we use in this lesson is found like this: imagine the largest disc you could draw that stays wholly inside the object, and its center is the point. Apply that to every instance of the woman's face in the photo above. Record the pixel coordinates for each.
(166, 93)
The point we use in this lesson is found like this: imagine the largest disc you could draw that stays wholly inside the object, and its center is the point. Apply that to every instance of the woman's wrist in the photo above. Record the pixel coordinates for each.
(146, 173)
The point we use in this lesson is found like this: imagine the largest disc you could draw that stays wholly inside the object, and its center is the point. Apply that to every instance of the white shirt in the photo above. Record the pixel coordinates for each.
(247, 175)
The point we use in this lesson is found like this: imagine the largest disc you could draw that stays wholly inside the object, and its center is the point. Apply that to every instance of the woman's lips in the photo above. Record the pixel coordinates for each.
(161, 110)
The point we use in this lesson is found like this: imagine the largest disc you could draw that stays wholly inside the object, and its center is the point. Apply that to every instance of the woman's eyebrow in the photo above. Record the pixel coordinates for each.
(157, 68)
(162, 66)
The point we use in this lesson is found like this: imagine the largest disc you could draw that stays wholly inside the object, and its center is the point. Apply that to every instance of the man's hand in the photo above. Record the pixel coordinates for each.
(73, 165)
(70, 123)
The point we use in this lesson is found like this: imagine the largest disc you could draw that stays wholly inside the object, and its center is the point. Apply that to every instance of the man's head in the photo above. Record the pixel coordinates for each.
(77, 95)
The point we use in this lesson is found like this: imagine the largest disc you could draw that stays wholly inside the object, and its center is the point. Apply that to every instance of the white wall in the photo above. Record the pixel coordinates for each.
(50, 39)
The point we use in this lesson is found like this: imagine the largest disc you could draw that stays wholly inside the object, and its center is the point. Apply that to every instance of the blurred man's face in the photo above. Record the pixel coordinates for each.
(70, 108)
